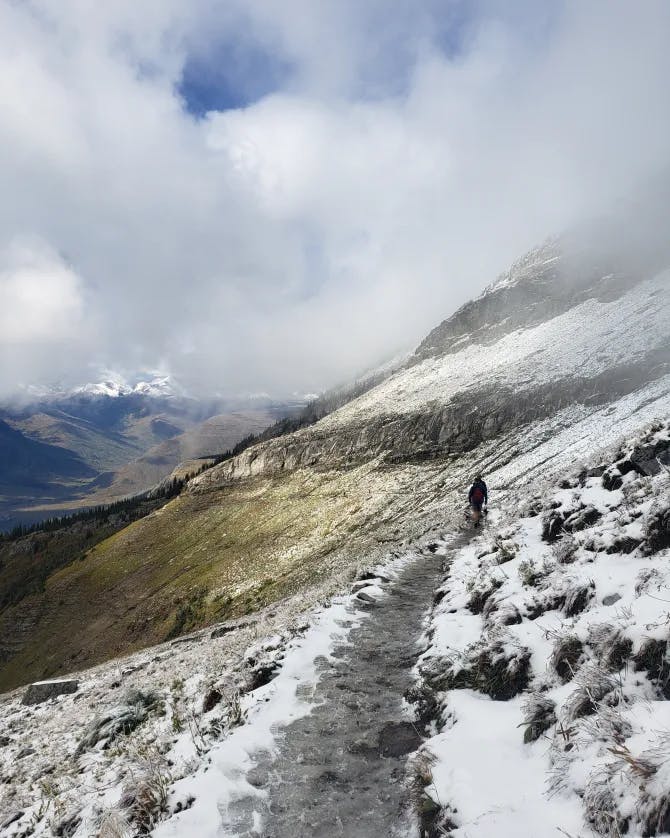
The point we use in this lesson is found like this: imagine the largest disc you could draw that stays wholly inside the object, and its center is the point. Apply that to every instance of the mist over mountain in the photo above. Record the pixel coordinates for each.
(102, 442)
(230, 194)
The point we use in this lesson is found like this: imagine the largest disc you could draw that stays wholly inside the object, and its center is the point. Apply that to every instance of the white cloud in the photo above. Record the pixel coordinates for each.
(283, 246)
(40, 297)
(43, 327)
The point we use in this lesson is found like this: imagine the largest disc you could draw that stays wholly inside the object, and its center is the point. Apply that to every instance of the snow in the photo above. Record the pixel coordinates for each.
(484, 776)
(115, 387)
(584, 341)
(496, 784)
(222, 780)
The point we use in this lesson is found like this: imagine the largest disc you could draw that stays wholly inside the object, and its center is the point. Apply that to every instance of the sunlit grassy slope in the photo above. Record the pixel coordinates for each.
(201, 558)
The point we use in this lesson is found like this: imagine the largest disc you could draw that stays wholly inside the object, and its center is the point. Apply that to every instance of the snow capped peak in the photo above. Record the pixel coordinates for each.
(114, 386)
(533, 262)
(162, 385)
(103, 388)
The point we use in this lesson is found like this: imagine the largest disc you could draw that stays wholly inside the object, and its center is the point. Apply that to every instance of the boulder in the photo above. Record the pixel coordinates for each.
(44, 690)
(610, 599)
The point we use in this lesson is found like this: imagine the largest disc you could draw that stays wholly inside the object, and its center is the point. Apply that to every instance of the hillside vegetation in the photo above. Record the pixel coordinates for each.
(200, 558)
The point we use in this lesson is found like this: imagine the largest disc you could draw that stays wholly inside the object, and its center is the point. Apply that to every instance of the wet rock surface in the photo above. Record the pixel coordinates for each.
(341, 770)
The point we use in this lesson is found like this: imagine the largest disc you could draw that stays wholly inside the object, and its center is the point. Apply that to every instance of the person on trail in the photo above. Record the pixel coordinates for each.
(478, 496)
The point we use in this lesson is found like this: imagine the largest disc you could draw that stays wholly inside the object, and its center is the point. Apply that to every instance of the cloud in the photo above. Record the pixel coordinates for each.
(41, 312)
(398, 161)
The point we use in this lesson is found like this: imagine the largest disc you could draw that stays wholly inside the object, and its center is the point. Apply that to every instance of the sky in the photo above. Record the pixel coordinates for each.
(257, 196)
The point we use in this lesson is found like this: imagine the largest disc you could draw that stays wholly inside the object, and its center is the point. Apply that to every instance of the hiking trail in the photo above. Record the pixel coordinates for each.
(341, 769)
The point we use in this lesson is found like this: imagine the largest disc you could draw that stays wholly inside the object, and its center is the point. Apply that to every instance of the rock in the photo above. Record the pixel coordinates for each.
(4, 741)
(368, 576)
(210, 701)
(221, 631)
(398, 739)
(365, 597)
(610, 599)
(8, 821)
(68, 826)
(261, 675)
(365, 583)
(648, 458)
(44, 690)
(25, 752)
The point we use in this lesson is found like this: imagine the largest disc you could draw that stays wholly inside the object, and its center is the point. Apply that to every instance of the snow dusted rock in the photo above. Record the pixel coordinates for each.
(370, 593)
(658, 527)
(226, 628)
(44, 690)
(364, 583)
(610, 599)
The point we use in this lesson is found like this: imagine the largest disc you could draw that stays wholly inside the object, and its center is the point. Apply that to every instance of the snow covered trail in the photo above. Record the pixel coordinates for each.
(340, 767)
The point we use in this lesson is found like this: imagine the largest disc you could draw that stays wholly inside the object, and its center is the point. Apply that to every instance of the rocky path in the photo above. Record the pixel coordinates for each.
(341, 769)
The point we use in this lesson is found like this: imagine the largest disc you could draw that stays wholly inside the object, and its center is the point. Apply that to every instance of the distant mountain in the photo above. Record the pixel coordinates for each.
(560, 357)
(100, 442)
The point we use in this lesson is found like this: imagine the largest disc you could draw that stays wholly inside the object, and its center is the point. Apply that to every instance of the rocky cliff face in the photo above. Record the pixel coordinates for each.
(537, 340)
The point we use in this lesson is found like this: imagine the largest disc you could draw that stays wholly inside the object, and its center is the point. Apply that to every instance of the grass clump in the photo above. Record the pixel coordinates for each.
(481, 589)
(567, 655)
(121, 719)
(539, 714)
(499, 670)
(578, 597)
(653, 657)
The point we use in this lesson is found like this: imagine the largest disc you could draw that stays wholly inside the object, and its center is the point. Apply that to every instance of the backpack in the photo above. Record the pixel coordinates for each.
(478, 495)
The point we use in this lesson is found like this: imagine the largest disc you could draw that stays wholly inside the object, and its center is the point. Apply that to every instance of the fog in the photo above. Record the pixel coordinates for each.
(364, 168)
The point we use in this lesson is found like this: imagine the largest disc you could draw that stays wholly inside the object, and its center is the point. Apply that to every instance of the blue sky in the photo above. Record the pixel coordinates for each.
(238, 65)
(231, 74)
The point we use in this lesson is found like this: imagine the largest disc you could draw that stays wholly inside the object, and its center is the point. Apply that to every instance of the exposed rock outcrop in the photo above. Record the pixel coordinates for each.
(44, 690)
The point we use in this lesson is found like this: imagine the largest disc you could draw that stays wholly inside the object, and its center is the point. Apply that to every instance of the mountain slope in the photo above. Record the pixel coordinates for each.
(515, 398)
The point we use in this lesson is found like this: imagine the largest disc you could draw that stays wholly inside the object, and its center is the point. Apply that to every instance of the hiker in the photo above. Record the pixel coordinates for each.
(478, 496)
